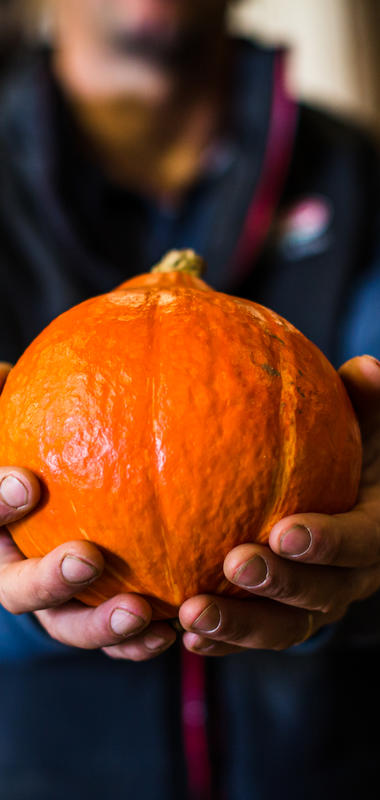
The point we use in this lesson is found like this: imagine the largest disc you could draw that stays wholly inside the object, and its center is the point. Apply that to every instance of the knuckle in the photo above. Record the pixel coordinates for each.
(103, 638)
(240, 629)
(283, 586)
(329, 547)
(44, 596)
(277, 587)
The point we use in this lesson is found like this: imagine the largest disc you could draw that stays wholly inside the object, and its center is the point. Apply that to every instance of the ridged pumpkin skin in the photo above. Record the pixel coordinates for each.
(169, 423)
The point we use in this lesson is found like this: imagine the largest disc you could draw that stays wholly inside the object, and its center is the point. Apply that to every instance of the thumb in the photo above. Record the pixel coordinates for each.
(19, 493)
(361, 376)
(19, 488)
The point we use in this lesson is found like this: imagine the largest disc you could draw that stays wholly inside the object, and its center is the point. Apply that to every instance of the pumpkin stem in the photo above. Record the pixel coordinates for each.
(181, 261)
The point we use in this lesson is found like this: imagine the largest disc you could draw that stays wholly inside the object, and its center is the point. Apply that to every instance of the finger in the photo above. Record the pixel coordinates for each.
(259, 571)
(5, 369)
(30, 584)
(351, 539)
(362, 379)
(361, 376)
(157, 638)
(204, 646)
(252, 623)
(78, 625)
(19, 493)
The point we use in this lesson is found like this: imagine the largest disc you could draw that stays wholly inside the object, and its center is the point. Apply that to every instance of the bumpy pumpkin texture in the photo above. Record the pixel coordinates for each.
(168, 423)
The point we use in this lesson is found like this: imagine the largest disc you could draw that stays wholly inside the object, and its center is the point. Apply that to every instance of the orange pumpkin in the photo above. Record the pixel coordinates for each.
(168, 423)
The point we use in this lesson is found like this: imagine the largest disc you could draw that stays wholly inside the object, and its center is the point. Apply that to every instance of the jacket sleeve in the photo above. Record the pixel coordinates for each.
(360, 331)
(22, 638)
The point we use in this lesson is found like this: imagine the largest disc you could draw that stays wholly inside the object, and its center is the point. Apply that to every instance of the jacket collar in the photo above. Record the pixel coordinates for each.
(247, 170)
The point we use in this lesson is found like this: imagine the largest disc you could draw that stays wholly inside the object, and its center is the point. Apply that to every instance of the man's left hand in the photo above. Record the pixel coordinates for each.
(315, 566)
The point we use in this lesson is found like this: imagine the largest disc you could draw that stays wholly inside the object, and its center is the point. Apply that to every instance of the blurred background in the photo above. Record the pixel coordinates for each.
(335, 61)
(335, 54)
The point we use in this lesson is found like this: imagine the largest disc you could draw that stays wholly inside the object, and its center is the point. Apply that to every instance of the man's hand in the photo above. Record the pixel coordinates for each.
(315, 566)
(121, 626)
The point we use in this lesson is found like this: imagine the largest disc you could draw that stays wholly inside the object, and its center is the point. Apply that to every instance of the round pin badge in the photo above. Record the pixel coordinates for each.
(304, 228)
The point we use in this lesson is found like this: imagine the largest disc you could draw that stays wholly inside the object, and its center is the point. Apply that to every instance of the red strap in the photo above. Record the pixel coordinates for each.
(275, 166)
(194, 725)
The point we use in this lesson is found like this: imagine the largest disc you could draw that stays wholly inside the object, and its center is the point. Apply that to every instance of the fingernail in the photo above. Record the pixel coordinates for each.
(76, 570)
(154, 642)
(209, 620)
(13, 492)
(122, 621)
(296, 541)
(252, 573)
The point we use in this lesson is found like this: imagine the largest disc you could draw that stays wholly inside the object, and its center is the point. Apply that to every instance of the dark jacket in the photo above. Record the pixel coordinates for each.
(286, 214)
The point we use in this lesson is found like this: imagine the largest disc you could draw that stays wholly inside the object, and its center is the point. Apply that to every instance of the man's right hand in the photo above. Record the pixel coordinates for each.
(121, 626)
